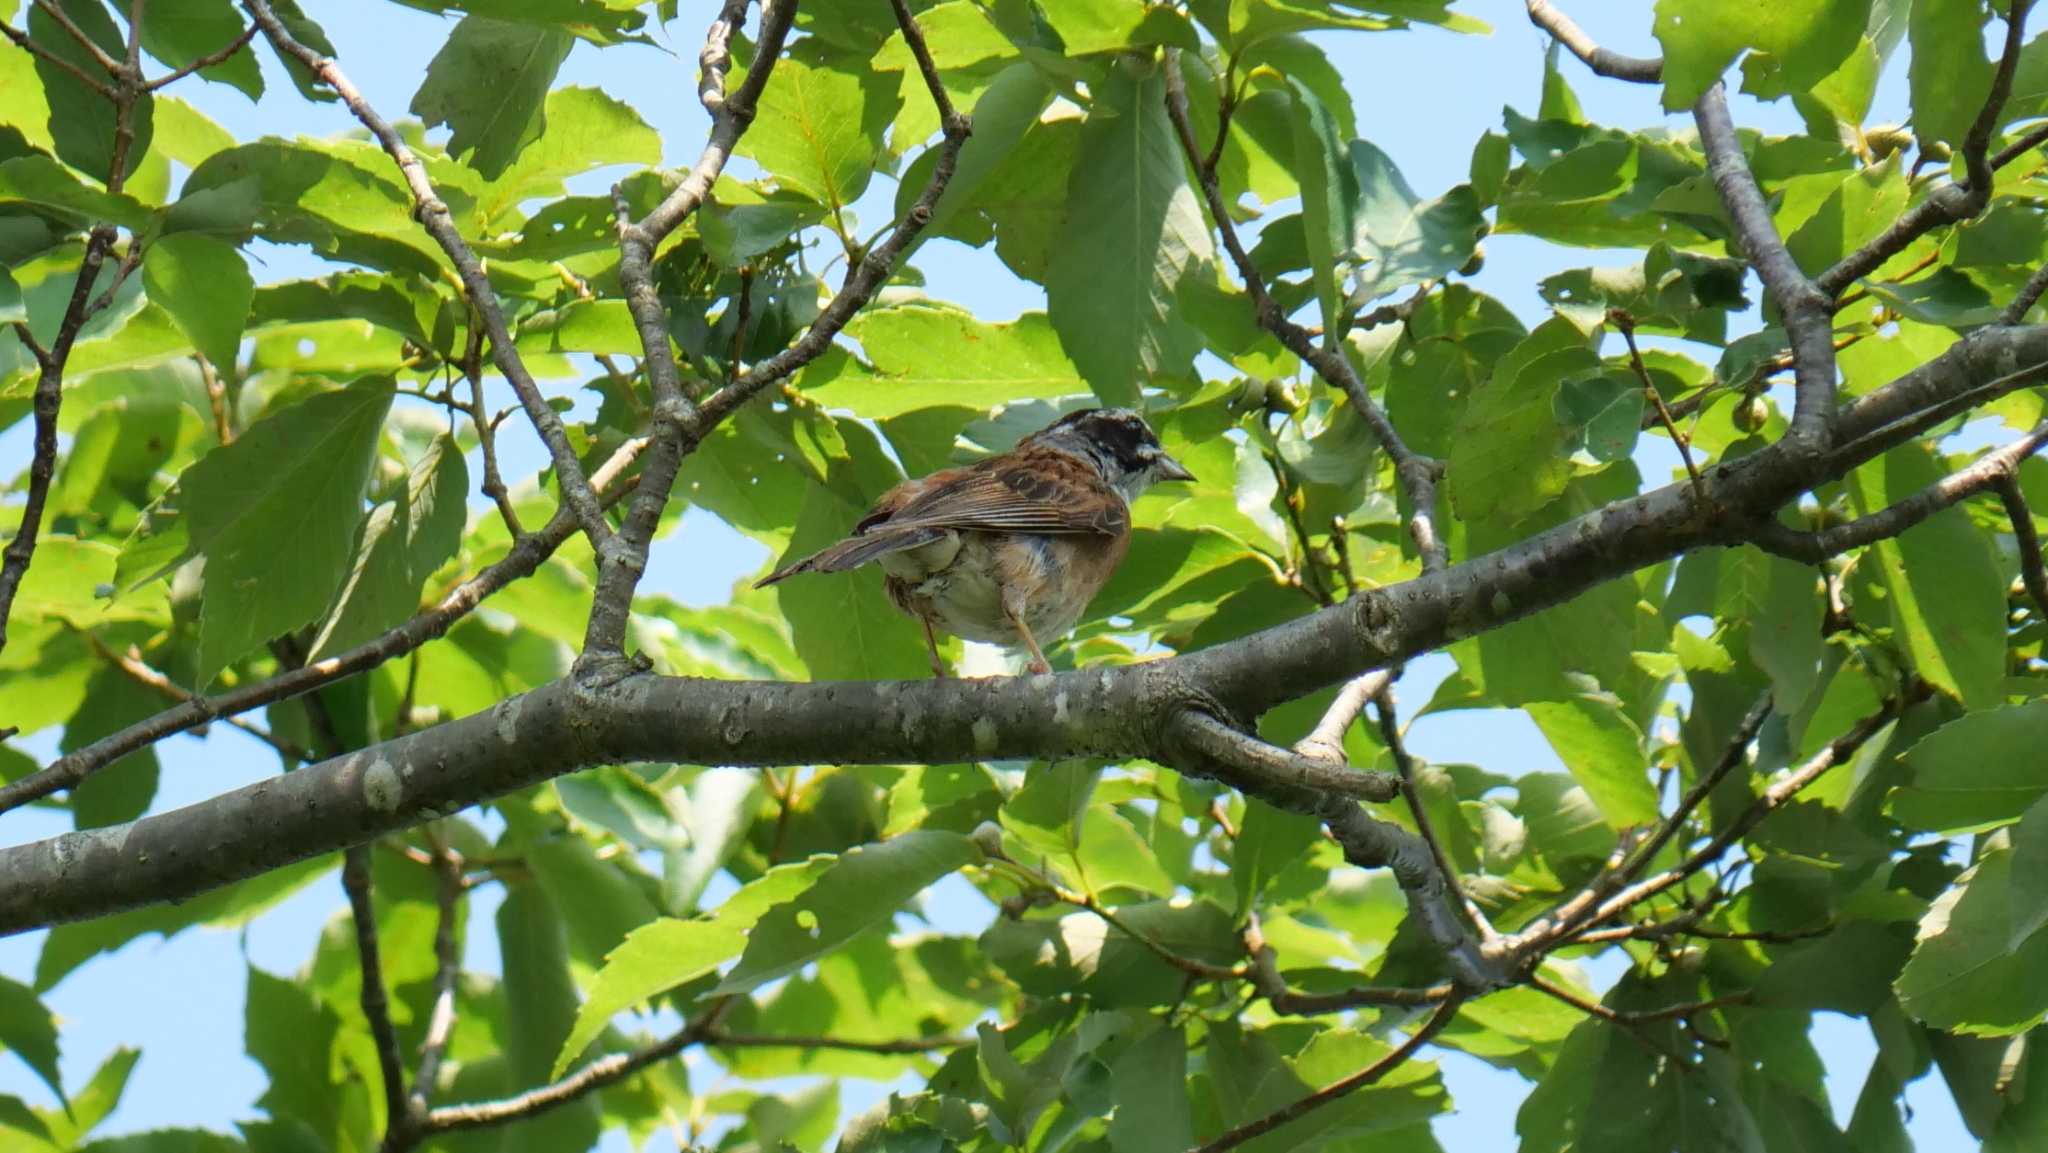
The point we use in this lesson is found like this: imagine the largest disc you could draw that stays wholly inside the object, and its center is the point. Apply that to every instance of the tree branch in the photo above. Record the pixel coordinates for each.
(218, 56)
(447, 967)
(355, 881)
(22, 41)
(1417, 474)
(1113, 712)
(49, 399)
(1326, 742)
(1807, 311)
(604, 1071)
(141, 673)
(2032, 572)
(1390, 735)
(1947, 203)
(433, 216)
(680, 425)
(1986, 472)
(1612, 65)
(1445, 1011)
(1232, 756)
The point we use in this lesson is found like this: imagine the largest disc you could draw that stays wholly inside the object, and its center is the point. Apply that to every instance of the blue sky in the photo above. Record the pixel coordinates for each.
(1422, 97)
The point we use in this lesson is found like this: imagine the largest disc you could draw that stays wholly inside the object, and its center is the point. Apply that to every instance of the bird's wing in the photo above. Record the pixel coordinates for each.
(1041, 492)
(1019, 492)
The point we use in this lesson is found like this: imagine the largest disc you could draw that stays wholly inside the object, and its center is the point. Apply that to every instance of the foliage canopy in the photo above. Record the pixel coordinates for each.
(1743, 525)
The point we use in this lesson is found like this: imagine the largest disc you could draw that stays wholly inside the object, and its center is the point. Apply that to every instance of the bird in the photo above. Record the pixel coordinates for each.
(1011, 548)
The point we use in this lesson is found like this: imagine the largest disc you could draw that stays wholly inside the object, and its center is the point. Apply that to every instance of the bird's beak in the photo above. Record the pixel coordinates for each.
(1171, 469)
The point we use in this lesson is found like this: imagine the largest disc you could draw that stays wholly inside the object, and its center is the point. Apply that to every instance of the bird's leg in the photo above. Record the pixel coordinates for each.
(1038, 662)
(931, 646)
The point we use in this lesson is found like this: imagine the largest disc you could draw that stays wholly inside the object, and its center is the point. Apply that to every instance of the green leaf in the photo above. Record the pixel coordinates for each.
(820, 126)
(1781, 602)
(598, 902)
(1947, 597)
(1134, 230)
(11, 307)
(489, 84)
(1079, 953)
(927, 357)
(1701, 38)
(1950, 73)
(1863, 205)
(665, 953)
(403, 541)
(579, 129)
(865, 886)
(1150, 1083)
(1002, 117)
(541, 1010)
(1400, 240)
(1269, 840)
(274, 514)
(1604, 752)
(30, 1032)
(1505, 460)
(292, 1035)
(206, 287)
(1975, 772)
(1329, 194)
(1048, 813)
(2029, 874)
(1965, 974)
(92, 1104)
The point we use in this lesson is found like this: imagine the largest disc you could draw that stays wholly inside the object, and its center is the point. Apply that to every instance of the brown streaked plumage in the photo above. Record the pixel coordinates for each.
(1014, 547)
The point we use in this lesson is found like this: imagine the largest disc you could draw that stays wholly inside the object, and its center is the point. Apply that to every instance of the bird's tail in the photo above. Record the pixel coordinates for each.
(854, 552)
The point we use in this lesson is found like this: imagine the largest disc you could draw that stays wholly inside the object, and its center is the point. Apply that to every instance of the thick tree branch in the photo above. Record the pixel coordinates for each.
(1948, 203)
(433, 215)
(1808, 312)
(1232, 756)
(1445, 1012)
(1603, 62)
(523, 560)
(1417, 474)
(1113, 712)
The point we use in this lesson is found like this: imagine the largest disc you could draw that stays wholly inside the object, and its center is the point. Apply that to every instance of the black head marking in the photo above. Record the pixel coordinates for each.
(1118, 434)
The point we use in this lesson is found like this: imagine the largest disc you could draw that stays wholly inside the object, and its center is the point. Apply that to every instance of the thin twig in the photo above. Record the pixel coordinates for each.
(49, 398)
(679, 423)
(1613, 65)
(1950, 202)
(139, 671)
(218, 56)
(1734, 756)
(2032, 572)
(21, 40)
(56, 12)
(2015, 312)
(1984, 473)
(1624, 1016)
(1417, 474)
(433, 215)
(1445, 1011)
(1626, 325)
(604, 1071)
(355, 880)
(487, 432)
